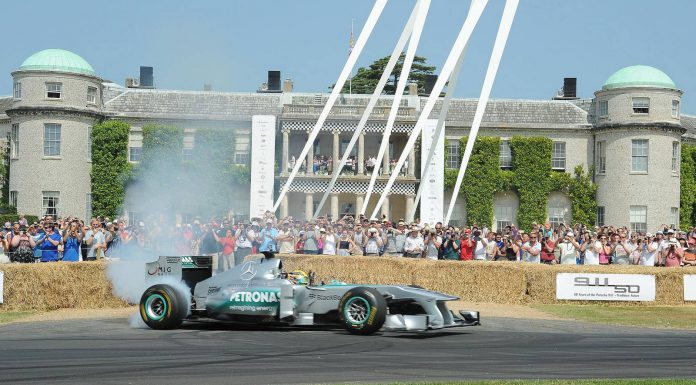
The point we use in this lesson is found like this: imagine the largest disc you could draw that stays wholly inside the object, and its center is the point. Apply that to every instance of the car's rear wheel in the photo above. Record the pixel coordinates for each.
(162, 307)
(362, 310)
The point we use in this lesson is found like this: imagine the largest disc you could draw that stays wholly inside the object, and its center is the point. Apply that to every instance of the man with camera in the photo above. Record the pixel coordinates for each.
(432, 242)
(673, 254)
(649, 249)
(372, 243)
(391, 245)
(413, 247)
(568, 249)
(621, 248)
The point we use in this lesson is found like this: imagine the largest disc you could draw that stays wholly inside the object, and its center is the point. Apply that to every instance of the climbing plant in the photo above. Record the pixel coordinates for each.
(687, 194)
(110, 167)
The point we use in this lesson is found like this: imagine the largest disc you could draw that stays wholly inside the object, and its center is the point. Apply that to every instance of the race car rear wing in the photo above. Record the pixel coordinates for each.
(191, 268)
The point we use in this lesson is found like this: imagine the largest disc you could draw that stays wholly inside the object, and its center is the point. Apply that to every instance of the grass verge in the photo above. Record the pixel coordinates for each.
(677, 317)
(10, 316)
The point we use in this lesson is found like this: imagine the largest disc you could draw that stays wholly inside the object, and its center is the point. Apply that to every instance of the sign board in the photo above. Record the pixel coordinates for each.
(2, 278)
(689, 287)
(262, 164)
(433, 184)
(605, 287)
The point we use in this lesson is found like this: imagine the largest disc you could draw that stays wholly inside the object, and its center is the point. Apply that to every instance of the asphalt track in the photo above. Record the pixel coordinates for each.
(111, 352)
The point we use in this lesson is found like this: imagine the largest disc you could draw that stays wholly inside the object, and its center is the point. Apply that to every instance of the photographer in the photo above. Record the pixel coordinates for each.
(621, 249)
(22, 245)
(568, 249)
(649, 249)
(413, 247)
(4, 249)
(673, 254)
(450, 245)
(466, 247)
(390, 248)
(373, 242)
(49, 244)
(73, 239)
(531, 249)
(432, 243)
(690, 253)
(505, 250)
(480, 245)
(602, 249)
(96, 240)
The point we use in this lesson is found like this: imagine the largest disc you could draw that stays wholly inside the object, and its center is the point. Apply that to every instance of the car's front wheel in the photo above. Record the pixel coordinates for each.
(362, 310)
(161, 307)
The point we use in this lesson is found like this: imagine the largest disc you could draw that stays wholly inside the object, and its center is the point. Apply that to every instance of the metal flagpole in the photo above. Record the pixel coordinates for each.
(360, 44)
(493, 64)
(401, 43)
(424, 5)
(472, 19)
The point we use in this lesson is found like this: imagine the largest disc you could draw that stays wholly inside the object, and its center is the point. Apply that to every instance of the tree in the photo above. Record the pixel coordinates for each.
(110, 167)
(366, 79)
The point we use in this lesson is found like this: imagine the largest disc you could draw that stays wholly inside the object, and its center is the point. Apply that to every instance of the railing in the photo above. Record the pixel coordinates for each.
(347, 111)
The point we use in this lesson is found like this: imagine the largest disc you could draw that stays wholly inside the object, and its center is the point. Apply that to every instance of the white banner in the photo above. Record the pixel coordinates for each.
(432, 195)
(605, 287)
(262, 164)
(2, 279)
(689, 287)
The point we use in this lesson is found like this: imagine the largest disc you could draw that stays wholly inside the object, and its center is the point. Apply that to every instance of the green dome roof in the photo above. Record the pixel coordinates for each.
(638, 76)
(57, 60)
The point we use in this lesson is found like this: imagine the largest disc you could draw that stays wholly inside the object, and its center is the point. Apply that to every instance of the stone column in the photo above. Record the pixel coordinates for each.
(385, 161)
(334, 207)
(310, 158)
(284, 207)
(410, 200)
(336, 149)
(359, 200)
(286, 157)
(309, 206)
(411, 172)
(385, 208)
(361, 153)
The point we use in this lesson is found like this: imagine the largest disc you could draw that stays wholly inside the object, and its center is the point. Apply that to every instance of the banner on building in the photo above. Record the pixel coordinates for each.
(605, 287)
(262, 164)
(689, 287)
(433, 184)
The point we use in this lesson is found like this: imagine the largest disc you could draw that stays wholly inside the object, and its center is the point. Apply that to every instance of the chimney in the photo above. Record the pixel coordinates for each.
(207, 87)
(131, 83)
(430, 81)
(570, 87)
(413, 88)
(287, 85)
(147, 79)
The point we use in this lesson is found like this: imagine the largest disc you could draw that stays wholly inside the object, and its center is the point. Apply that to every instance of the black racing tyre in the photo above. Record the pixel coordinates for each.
(362, 310)
(162, 307)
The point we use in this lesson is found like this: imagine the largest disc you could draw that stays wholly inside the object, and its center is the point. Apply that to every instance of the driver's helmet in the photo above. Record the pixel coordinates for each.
(298, 277)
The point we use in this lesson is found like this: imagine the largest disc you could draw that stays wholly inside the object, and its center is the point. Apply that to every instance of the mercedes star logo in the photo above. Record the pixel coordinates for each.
(248, 270)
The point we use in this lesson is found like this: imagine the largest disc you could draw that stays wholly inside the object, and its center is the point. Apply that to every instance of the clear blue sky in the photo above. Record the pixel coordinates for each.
(232, 44)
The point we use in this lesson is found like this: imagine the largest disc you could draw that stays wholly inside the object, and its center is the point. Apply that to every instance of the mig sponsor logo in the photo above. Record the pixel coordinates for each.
(159, 270)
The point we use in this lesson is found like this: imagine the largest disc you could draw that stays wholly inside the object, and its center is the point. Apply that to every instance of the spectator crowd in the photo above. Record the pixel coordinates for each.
(323, 165)
(71, 239)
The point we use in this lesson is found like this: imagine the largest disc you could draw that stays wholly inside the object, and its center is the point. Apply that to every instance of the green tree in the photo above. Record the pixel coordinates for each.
(110, 166)
(366, 78)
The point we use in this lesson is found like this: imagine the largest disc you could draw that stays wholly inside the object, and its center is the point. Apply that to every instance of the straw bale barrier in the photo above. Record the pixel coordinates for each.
(84, 285)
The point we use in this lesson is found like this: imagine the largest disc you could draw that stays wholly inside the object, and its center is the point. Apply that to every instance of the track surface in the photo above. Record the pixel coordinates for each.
(111, 352)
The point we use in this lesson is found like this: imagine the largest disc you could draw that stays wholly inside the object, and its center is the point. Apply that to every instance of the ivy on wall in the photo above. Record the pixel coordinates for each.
(531, 177)
(687, 211)
(110, 167)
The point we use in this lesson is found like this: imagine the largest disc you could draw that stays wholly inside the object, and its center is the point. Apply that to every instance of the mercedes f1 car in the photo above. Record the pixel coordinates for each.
(259, 291)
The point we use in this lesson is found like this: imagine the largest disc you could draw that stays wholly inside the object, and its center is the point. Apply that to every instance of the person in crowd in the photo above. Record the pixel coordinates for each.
(390, 248)
(49, 244)
(4, 249)
(450, 245)
(602, 249)
(588, 249)
(244, 237)
(531, 248)
(480, 245)
(286, 239)
(568, 249)
(328, 241)
(547, 255)
(649, 247)
(72, 242)
(621, 249)
(311, 240)
(372, 243)
(690, 252)
(413, 247)
(492, 240)
(228, 243)
(432, 242)
(345, 243)
(673, 255)
(268, 237)
(400, 236)
(358, 239)
(95, 239)
(466, 246)
(22, 246)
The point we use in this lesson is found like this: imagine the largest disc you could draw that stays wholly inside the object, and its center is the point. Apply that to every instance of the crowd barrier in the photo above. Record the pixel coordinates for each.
(84, 285)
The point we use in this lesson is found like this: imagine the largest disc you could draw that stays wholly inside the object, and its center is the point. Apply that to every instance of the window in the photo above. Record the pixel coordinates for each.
(134, 154)
(88, 207)
(91, 95)
(600, 216)
(601, 157)
(50, 202)
(133, 218)
(558, 156)
(186, 154)
(675, 156)
(13, 198)
(344, 147)
(17, 90)
(14, 141)
(675, 108)
(639, 155)
(556, 216)
(639, 218)
(641, 105)
(317, 147)
(503, 217)
(452, 151)
(674, 217)
(51, 139)
(505, 154)
(89, 144)
(53, 90)
(603, 108)
(241, 149)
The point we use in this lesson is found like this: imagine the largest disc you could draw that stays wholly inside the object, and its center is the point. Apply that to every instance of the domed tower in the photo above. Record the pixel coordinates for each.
(637, 149)
(57, 100)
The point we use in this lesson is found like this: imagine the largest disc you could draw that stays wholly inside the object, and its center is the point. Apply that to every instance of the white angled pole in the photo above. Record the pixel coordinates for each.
(472, 19)
(438, 130)
(401, 43)
(423, 7)
(347, 68)
(493, 64)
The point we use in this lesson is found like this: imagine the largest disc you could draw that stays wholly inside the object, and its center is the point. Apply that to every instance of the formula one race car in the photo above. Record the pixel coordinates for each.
(259, 291)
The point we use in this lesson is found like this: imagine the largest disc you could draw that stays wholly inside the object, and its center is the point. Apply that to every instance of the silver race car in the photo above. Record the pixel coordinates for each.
(259, 291)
